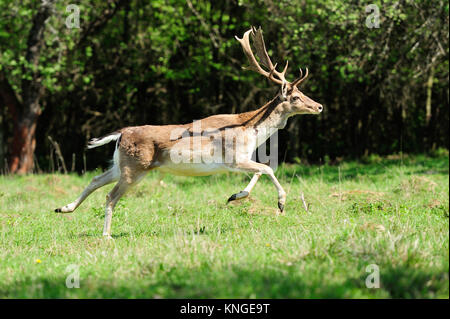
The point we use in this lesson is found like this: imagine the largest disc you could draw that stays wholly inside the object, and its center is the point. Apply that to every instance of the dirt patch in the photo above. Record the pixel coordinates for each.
(357, 193)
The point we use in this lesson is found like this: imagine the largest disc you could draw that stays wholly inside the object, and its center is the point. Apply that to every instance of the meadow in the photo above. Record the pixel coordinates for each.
(177, 238)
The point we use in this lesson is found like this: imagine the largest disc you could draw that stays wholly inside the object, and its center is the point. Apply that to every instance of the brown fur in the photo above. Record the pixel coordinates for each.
(149, 144)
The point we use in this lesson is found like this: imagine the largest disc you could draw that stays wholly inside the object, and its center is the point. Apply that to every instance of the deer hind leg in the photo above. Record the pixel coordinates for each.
(127, 179)
(107, 177)
(259, 169)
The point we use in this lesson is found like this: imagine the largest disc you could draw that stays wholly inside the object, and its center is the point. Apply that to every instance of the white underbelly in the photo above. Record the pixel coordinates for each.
(194, 169)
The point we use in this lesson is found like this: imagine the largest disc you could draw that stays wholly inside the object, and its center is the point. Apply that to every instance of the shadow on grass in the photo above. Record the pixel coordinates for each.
(408, 282)
(160, 281)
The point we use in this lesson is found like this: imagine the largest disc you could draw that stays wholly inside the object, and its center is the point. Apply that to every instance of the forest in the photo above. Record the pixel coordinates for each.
(73, 70)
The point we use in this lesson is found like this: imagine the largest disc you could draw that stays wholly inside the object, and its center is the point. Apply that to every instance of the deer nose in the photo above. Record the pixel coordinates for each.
(320, 108)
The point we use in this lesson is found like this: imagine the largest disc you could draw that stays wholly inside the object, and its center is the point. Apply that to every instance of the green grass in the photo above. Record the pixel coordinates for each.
(180, 240)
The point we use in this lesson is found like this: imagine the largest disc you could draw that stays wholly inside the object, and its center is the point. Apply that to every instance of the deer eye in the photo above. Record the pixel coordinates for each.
(296, 98)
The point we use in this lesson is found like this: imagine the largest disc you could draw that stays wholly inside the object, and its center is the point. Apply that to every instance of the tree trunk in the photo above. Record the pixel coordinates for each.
(26, 114)
(23, 144)
(24, 119)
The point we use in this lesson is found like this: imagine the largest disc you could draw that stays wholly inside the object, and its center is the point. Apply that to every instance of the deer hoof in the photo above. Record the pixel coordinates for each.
(281, 207)
(240, 195)
(65, 209)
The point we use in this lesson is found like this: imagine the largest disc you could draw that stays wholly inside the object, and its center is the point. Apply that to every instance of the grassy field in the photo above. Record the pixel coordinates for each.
(179, 239)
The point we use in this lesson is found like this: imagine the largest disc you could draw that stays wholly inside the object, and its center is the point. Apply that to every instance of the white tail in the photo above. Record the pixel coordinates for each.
(96, 142)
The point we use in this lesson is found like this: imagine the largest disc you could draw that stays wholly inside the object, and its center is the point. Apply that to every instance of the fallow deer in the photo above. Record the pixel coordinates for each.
(140, 149)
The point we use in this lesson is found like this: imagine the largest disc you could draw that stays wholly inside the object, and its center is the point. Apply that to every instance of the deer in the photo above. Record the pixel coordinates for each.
(140, 149)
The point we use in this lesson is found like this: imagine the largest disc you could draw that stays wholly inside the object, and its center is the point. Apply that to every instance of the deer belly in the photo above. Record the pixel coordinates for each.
(193, 169)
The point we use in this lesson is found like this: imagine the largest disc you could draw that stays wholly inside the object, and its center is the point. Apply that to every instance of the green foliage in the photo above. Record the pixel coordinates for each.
(370, 159)
(440, 152)
(368, 208)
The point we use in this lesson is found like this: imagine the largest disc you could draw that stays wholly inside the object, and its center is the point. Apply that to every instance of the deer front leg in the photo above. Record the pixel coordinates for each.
(259, 169)
(247, 190)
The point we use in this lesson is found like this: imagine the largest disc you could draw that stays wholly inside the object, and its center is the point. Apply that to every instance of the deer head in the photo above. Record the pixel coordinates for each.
(294, 101)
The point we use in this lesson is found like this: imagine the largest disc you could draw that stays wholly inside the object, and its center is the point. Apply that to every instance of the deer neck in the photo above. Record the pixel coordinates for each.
(270, 116)
(266, 120)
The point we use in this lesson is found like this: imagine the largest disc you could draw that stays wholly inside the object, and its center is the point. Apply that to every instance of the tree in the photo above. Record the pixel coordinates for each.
(37, 66)
(25, 111)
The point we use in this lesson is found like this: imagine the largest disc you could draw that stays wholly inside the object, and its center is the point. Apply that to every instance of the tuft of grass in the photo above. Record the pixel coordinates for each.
(179, 239)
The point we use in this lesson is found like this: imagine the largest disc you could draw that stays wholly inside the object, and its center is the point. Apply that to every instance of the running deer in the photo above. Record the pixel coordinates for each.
(140, 149)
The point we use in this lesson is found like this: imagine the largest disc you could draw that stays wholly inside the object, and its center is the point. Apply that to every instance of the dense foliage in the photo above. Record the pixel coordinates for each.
(385, 90)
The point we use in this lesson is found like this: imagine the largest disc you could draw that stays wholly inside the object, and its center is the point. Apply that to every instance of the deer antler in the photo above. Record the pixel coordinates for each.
(262, 55)
(301, 78)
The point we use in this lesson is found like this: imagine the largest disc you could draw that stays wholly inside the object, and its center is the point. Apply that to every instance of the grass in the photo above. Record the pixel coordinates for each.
(178, 239)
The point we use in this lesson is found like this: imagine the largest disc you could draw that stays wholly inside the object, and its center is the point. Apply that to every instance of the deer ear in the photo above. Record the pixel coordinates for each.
(284, 90)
